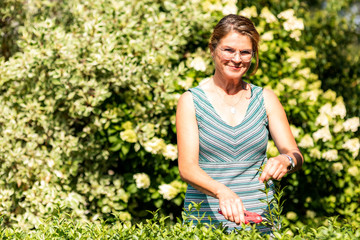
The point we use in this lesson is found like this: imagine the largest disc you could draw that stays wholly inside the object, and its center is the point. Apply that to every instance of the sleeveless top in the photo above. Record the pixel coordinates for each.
(232, 156)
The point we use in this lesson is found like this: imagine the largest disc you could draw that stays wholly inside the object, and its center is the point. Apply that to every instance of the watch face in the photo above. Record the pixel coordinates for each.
(292, 164)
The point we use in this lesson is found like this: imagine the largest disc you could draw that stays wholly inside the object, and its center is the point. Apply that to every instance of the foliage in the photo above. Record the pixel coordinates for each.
(338, 64)
(330, 28)
(62, 226)
(88, 107)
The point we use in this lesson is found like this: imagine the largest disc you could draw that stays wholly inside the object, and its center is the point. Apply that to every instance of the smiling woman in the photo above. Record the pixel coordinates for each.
(222, 130)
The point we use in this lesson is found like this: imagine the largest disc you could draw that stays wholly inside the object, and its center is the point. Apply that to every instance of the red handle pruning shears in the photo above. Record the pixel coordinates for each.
(250, 217)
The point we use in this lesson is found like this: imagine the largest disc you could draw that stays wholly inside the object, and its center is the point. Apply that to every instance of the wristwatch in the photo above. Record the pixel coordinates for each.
(292, 163)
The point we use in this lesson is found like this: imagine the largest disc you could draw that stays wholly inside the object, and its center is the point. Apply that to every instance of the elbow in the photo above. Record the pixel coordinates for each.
(182, 175)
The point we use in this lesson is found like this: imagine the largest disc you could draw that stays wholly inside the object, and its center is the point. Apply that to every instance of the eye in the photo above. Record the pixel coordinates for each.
(229, 50)
(246, 52)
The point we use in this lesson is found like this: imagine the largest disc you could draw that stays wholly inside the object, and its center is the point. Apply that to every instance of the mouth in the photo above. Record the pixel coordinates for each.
(234, 67)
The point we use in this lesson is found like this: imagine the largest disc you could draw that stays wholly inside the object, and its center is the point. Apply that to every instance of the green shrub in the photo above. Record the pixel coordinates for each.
(62, 226)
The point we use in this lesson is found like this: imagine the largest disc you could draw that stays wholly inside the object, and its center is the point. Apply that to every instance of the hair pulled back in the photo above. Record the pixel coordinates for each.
(239, 24)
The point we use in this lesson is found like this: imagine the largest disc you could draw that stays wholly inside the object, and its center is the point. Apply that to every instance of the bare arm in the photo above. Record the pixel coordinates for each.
(188, 160)
(280, 132)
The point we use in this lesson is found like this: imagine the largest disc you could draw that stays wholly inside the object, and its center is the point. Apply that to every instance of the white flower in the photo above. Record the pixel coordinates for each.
(229, 1)
(142, 180)
(315, 153)
(295, 60)
(230, 8)
(59, 174)
(322, 120)
(306, 141)
(296, 35)
(353, 145)
(128, 135)
(168, 191)
(326, 109)
(155, 145)
(249, 12)
(337, 167)
(330, 95)
(354, 171)
(198, 64)
(263, 46)
(297, 85)
(292, 102)
(267, 15)
(212, 7)
(351, 124)
(339, 110)
(311, 95)
(286, 14)
(305, 72)
(310, 214)
(51, 163)
(291, 215)
(170, 152)
(330, 155)
(268, 36)
(337, 128)
(293, 24)
(295, 57)
(323, 133)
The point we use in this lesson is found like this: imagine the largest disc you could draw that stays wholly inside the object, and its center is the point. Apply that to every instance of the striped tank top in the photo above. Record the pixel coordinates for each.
(231, 155)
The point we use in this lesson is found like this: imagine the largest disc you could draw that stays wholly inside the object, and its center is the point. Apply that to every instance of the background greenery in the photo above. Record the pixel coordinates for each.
(88, 93)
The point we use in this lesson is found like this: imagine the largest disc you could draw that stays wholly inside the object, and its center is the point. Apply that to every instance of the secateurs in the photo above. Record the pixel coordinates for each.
(250, 217)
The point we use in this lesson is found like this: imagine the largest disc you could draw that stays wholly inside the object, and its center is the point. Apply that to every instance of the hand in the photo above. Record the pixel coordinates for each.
(275, 168)
(231, 206)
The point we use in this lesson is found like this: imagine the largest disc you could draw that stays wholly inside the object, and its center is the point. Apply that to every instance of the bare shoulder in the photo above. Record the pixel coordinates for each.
(185, 101)
(269, 95)
(272, 102)
(185, 106)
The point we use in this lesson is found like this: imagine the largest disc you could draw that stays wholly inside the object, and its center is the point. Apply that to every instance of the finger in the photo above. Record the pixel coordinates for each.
(264, 173)
(231, 216)
(279, 171)
(274, 172)
(281, 174)
(268, 170)
(242, 215)
(224, 211)
(236, 213)
(277, 174)
(237, 210)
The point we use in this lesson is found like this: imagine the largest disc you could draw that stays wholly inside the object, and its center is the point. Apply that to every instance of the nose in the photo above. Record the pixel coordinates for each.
(237, 57)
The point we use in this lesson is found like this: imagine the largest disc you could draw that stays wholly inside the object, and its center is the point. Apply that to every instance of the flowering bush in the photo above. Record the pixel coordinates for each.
(88, 109)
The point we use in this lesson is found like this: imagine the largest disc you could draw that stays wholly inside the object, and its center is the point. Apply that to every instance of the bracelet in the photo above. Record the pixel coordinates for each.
(291, 160)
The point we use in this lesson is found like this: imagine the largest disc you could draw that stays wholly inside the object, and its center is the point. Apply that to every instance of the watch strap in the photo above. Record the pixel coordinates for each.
(291, 160)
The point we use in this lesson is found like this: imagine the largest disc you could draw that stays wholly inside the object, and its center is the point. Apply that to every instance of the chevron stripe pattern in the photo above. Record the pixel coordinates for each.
(231, 155)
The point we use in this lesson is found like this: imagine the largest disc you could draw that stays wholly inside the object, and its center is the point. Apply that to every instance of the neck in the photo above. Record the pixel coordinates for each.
(230, 86)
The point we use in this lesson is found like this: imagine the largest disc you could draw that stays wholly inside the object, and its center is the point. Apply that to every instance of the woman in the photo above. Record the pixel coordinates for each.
(222, 130)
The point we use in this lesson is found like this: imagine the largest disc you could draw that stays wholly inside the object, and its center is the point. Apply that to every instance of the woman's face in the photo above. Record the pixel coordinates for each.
(233, 68)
